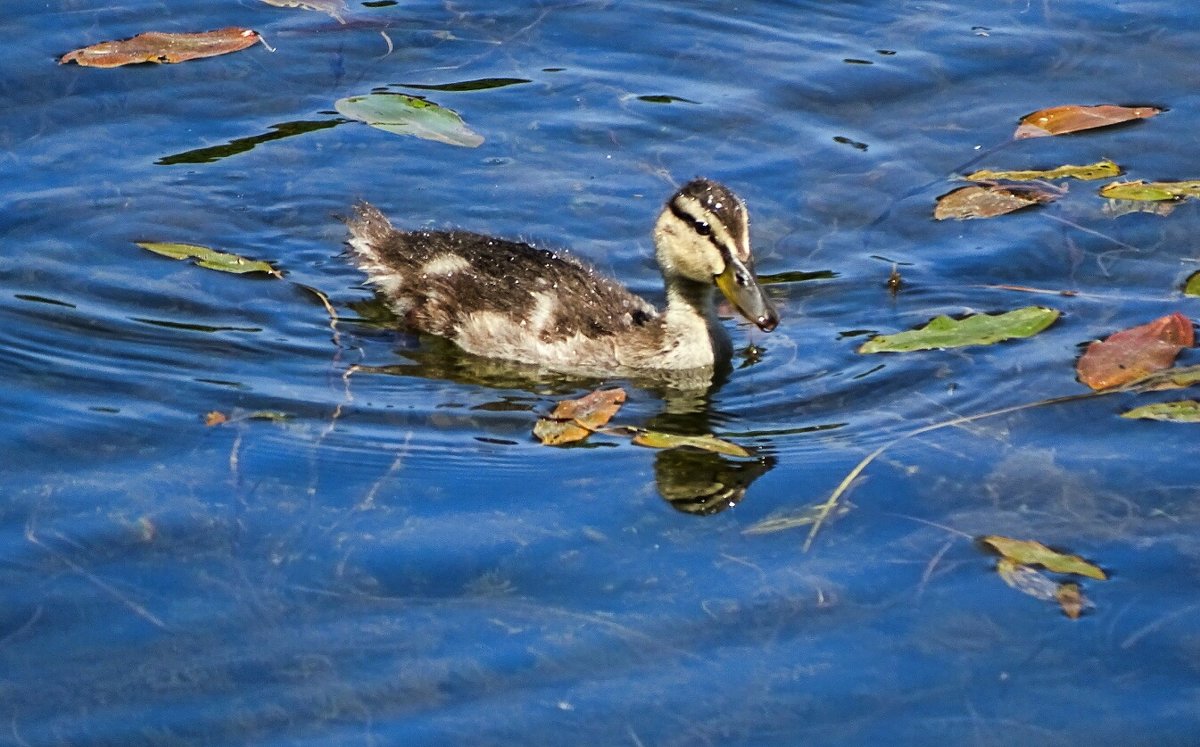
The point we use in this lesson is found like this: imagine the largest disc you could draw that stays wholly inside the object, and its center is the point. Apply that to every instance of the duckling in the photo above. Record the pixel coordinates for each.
(504, 299)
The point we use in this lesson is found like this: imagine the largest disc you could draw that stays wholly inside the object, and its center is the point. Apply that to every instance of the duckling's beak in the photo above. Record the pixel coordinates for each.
(739, 285)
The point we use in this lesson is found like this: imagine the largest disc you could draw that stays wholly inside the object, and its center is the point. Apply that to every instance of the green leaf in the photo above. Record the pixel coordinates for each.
(210, 258)
(659, 440)
(1029, 552)
(1171, 378)
(1151, 191)
(1182, 411)
(1100, 170)
(1192, 286)
(409, 115)
(976, 329)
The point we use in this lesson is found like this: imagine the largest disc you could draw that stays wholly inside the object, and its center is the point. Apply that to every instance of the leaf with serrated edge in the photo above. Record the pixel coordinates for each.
(1100, 170)
(976, 329)
(1030, 552)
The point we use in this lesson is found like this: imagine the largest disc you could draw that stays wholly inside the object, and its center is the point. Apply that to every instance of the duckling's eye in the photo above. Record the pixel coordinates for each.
(741, 279)
(702, 228)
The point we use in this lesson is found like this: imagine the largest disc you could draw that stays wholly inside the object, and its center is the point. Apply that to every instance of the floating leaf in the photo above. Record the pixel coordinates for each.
(1151, 191)
(1029, 552)
(1171, 378)
(1100, 170)
(1192, 286)
(219, 418)
(976, 329)
(966, 203)
(215, 418)
(659, 440)
(575, 419)
(210, 258)
(1131, 354)
(409, 115)
(1060, 120)
(1182, 411)
(333, 8)
(155, 46)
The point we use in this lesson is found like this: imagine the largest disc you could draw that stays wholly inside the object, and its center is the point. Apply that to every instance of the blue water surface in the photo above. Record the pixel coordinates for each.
(389, 557)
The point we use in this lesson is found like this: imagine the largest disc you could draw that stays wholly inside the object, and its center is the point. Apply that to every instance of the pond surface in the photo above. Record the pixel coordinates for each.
(396, 561)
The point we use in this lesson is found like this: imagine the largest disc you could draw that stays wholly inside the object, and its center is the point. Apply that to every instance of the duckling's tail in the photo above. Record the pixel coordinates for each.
(369, 230)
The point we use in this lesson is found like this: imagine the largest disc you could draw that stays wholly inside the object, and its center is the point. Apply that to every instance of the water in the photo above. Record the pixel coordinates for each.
(397, 563)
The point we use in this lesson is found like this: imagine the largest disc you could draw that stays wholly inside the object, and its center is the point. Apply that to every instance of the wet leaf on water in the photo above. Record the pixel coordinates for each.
(707, 442)
(975, 329)
(1151, 191)
(1070, 598)
(334, 8)
(210, 258)
(1060, 120)
(1131, 354)
(154, 46)
(1181, 411)
(575, 419)
(1192, 286)
(409, 115)
(968, 203)
(1100, 170)
(1029, 552)
(1165, 380)
(215, 418)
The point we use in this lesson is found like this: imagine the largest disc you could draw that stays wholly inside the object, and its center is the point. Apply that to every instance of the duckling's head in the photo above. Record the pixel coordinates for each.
(703, 236)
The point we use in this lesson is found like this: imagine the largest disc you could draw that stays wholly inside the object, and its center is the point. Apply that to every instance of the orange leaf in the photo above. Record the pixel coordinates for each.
(155, 46)
(1130, 354)
(988, 202)
(216, 417)
(1060, 120)
(575, 419)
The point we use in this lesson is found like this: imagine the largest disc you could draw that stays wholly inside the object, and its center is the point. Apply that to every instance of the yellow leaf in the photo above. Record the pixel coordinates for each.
(1029, 552)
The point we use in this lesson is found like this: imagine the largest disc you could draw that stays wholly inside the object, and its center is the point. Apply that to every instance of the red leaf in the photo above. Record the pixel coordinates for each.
(155, 46)
(1130, 354)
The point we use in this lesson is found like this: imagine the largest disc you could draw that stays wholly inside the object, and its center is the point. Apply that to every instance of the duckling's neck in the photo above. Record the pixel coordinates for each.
(693, 336)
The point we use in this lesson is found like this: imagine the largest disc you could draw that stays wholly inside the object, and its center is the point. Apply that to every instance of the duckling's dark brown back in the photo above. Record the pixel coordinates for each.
(439, 281)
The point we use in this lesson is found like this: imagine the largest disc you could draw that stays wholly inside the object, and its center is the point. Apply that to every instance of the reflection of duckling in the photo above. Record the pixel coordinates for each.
(504, 299)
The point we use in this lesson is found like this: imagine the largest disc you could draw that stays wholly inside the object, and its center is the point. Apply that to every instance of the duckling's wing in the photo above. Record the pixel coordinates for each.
(447, 283)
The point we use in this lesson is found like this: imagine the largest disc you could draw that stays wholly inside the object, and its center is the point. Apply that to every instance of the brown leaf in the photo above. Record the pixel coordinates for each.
(155, 46)
(1060, 120)
(1131, 354)
(216, 417)
(1070, 598)
(988, 201)
(575, 419)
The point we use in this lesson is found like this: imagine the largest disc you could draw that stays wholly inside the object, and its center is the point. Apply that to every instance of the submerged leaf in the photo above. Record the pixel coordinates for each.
(976, 329)
(154, 46)
(967, 203)
(1100, 170)
(1129, 355)
(659, 440)
(409, 115)
(1060, 120)
(334, 8)
(1151, 191)
(1029, 552)
(1027, 580)
(1171, 378)
(1181, 411)
(210, 258)
(1070, 599)
(575, 419)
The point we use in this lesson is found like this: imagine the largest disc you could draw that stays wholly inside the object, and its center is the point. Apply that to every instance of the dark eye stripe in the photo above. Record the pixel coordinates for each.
(702, 228)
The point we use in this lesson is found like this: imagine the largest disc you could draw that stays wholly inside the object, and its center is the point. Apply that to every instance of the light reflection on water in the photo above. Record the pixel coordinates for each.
(397, 561)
